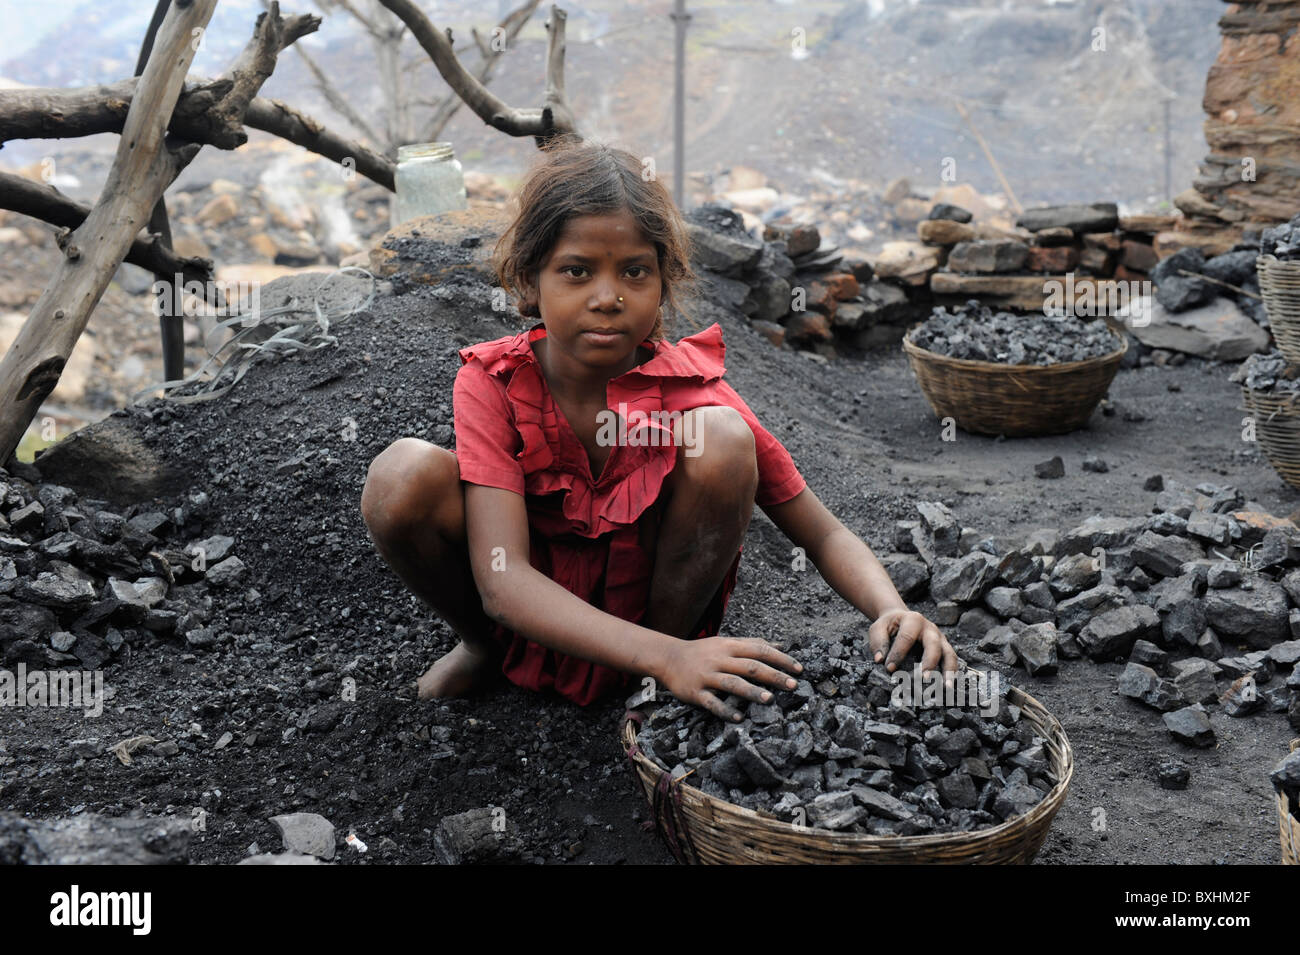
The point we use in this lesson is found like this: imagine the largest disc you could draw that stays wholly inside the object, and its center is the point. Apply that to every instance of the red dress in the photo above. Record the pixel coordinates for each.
(586, 533)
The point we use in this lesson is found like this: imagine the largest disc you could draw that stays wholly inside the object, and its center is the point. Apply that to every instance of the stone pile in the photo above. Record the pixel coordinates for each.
(792, 286)
(840, 752)
(975, 331)
(1090, 242)
(80, 581)
(1201, 599)
(1252, 125)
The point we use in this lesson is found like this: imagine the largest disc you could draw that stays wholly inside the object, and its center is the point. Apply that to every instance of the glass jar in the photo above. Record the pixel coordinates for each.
(429, 181)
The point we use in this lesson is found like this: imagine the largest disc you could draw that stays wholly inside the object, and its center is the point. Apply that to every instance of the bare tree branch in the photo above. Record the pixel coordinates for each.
(555, 118)
(44, 113)
(448, 105)
(46, 203)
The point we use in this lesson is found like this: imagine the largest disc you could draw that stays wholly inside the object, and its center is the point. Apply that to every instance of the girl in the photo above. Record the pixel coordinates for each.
(568, 553)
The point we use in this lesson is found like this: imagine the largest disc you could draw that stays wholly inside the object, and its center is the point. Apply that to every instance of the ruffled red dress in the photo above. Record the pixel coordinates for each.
(587, 533)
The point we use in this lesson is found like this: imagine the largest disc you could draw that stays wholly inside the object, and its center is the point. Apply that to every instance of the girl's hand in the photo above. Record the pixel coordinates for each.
(904, 628)
(696, 670)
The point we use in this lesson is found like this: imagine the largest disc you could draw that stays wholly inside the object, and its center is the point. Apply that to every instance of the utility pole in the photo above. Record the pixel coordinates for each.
(679, 16)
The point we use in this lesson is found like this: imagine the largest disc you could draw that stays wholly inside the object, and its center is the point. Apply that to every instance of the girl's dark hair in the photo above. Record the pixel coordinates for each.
(587, 178)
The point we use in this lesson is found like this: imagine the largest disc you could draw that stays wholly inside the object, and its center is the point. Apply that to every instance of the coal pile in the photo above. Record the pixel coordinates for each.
(847, 751)
(974, 331)
(1200, 599)
(1187, 280)
(1267, 373)
(1282, 241)
(79, 581)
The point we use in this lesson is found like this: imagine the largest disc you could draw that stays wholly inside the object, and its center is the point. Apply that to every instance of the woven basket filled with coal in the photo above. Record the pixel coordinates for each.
(854, 766)
(1013, 375)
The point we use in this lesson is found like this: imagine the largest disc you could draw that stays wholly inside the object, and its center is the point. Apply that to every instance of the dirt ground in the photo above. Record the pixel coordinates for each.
(389, 768)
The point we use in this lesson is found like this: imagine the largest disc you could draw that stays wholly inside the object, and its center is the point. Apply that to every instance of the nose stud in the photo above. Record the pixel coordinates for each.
(620, 298)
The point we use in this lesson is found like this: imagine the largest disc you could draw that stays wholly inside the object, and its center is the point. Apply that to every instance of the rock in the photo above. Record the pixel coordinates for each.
(1191, 725)
(976, 622)
(908, 262)
(478, 836)
(1225, 573)
(1215, 528)
(943, 211)
(1148, 654)
(988, 255)
(1097, 531)
(1183, 610)
(1078, 217)
(1173, 773)
(1095, 464)
(92, 839)
(1194, 680)
(1073, 574)
(1258, 616)
(1218, 331)
(1004, 601)
(957, 789)
(1035, 647)
(1052, 468)
(63, 592)
(1285, 654)
(1019, 569)
(880, 803)
(908, 575)
(226, 573)
(963, 579)
(1113, 633)
(941, 526)
(944, 232)
(1163, 555)
(306, 833)
(1016, 800)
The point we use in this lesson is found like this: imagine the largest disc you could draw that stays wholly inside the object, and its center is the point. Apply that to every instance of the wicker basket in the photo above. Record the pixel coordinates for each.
(1288, 825)
(702, 829)
(1277, 428)
(1279, 287)
(987, 397)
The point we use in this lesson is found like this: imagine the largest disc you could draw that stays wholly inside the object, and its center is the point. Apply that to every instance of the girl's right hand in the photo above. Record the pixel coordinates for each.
(696, 670)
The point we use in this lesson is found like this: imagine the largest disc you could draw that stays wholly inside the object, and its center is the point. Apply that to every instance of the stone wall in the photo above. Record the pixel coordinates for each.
(1251, 176)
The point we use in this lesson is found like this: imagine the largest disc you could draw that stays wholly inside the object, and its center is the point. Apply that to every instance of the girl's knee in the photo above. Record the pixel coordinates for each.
(716, 444)
(409, 482)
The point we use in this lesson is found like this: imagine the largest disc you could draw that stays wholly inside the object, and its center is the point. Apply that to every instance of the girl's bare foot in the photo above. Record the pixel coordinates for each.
(458, 672)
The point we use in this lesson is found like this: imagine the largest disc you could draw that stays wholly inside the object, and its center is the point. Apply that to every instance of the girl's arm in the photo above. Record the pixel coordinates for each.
(852, 570)
(528, 602)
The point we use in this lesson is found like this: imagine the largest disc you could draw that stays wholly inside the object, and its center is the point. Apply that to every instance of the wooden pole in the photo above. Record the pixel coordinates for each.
(143, 168)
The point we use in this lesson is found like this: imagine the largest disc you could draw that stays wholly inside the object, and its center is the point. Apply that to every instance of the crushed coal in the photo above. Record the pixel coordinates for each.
(1282, 241)
(1268, 373)
(856, 749)
(975, 331)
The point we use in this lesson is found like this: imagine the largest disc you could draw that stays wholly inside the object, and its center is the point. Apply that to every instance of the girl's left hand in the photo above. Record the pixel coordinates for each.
(904, 628)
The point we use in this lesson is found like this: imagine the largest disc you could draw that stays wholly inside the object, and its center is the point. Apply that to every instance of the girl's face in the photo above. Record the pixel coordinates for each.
(597, 259)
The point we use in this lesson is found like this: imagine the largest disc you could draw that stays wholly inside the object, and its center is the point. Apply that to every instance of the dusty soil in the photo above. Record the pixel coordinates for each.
(389, 768)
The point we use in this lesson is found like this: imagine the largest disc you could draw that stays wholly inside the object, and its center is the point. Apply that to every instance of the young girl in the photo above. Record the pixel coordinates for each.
(571, 554)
